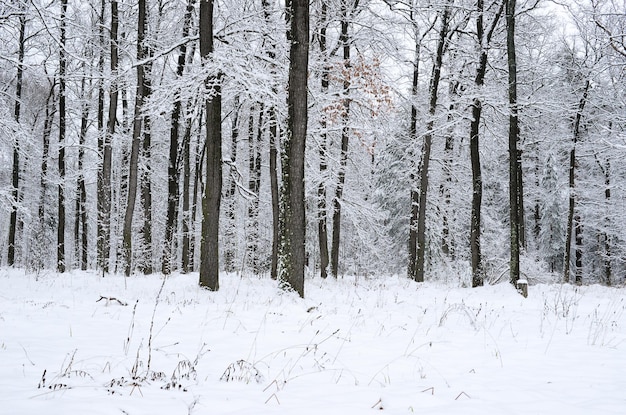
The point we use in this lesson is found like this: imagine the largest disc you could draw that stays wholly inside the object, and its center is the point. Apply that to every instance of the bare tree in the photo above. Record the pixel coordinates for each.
(292, 255)
(62, 129)
(15, 175)
(209, 249)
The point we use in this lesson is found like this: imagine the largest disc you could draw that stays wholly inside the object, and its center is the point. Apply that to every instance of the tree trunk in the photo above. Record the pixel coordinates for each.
(478, 273)
(322, 213)
(514, 181)
(136, 141)
(254, 185)
(412, 270)
(292, 254)
(447, 243)
(41, 237)
(344, 40)
(230, 236)
(273, 158)
(80, 221)
(100, 245)
(572, 187)
(173, 167)
(187, 261)
(104, 191)
(15, 175)
(426, 148)
(209, 249)
(61, 159)
(146, 183)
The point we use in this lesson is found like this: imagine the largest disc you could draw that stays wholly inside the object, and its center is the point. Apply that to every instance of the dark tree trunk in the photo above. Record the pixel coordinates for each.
(61, 161)
(146, 182)
(100, 245)
(322, 213)
(514, 181)
(186, 222)
(104, 191)
(42, 233)
(292, 254)
(197, 184)
(136, 141)
(209, 249)
(344, 40)
(426, 148)
(412, 270)
(15, 175)
(174, 154)
(80, 221)
(608, 270)
(275, 192)
(572, 193)
(478, 273)
(273, 158)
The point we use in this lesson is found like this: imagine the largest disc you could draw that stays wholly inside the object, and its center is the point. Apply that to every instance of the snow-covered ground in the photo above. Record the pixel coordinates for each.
(353, 346)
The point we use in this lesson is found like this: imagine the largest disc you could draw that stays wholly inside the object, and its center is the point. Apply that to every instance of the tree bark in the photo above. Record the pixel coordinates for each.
(572, 190)
(80, 221)
(230, 236)
(174, 153)
(344, 40)
(273, 157)
(514, 181)
(61, 160)
(209, 249)
(426, 148)
(412, 269)
(293, 221)
(478, 274)
(254, 185)
(15, 175)
(104, 191)
(322, 213)
(136, 141)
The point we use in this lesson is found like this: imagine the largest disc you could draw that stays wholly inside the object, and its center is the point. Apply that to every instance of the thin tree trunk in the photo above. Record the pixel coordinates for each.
(254, 185)
(197, 185)
(344, 40)
(572, 186)
(292, 254)
(146, 182)
(41, 236)
(514, 181)
(15, 176)
(478, 273)
(136, 141)
(209, 249)
(104, 192)
(80, 222)
(100, 245)
(231, 200)
(447, 243)
(273, 157)
(322, 213)
(608, 270)
(412, 269)
(173, 167)
(187, 262)
(61, 161)
(426, 148)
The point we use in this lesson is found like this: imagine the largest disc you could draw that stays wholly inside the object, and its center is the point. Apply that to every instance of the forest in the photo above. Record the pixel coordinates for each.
(469, 142)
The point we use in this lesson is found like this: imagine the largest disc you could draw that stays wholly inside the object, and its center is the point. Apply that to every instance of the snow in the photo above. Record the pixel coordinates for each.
(354, 345)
